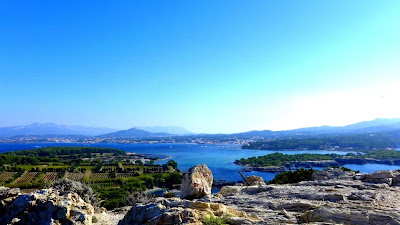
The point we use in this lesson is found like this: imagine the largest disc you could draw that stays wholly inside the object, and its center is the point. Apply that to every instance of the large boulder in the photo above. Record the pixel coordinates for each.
(230, 190)
(382, 176)
(255, 180)
(197, 182)
(396, 180)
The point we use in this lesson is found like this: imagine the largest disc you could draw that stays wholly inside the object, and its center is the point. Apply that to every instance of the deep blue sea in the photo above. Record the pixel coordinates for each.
(219, 158)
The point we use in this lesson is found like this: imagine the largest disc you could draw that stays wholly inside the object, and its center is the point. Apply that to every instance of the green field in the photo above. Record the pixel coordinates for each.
(32, 167)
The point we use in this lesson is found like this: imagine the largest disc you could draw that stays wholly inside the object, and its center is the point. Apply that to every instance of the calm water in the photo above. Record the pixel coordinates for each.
(219, 158)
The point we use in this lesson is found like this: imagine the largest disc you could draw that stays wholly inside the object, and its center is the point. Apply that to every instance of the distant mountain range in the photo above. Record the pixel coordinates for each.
(50, 129)
(133, 133)
(377, 125)
(366, 126)
(166, 129)
(37, 129)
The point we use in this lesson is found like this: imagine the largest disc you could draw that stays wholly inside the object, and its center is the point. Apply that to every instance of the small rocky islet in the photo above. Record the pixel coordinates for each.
(332, 196)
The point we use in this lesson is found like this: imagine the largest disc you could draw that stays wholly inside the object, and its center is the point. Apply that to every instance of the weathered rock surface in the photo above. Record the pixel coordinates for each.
(42, 207)
(324, 201)
(177, 211)
(333, 201)
(111, 217)
(333, 173)
(396, 180)
(384, 176)
(197, 182)
(335, 197)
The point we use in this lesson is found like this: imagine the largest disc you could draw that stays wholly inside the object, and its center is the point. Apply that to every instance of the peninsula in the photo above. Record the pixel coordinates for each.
(278, 162)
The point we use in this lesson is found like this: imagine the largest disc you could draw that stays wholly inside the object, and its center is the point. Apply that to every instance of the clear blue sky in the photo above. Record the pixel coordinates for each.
(208, 66)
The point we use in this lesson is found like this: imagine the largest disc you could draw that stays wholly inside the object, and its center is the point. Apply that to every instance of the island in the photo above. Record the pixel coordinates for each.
(278, 162)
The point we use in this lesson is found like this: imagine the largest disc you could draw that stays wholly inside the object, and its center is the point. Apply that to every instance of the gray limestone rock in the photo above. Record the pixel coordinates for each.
(43, 207)
(255, 180)
(197, 182)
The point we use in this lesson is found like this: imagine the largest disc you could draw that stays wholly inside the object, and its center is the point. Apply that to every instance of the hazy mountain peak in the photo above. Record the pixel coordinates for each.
(52, 129)
(134, 133)
(373, 123)
(166, 129)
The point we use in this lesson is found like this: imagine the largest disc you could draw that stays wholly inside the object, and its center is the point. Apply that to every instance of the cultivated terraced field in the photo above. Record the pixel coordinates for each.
(50, 177)
(74, 176)
(99, 176)
(121, 175)
(26, 177)
(5, 176)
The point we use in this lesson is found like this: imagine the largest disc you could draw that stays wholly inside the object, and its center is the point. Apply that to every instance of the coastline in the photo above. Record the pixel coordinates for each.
(323, 163)
(167, 157)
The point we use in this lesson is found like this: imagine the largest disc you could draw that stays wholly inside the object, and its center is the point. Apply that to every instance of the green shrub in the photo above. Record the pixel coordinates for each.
(169, 195)
(94, 219)
(171, 163)
(345, 168)
(83, 190)
(290, 177)
(348, 169)
(213, 220)
(173, 178)
(112, 197)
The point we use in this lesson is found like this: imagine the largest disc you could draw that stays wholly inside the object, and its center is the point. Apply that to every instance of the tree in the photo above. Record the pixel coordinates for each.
(171, 163)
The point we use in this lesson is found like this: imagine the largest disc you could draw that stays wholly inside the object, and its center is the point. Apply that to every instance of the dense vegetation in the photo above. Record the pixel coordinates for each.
(290, 177)
(57, 151)
(356, 142)
(21, 160)
(111, 173)
(276, 159)
(214, 220)
(114, 192)
(54, 154)
(377, 154)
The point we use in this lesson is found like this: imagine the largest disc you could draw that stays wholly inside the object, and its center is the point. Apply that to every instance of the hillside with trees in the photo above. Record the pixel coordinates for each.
(370, 141)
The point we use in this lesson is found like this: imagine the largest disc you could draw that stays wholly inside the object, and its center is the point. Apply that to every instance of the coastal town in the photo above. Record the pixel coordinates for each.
(94, 140)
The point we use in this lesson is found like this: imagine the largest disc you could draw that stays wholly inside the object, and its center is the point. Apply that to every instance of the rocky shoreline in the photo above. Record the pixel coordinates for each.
(322, 163)
(367, 161)
(291, 166)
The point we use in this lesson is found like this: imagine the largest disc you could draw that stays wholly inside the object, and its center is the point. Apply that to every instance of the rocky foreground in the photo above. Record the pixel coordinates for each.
(333, 197)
